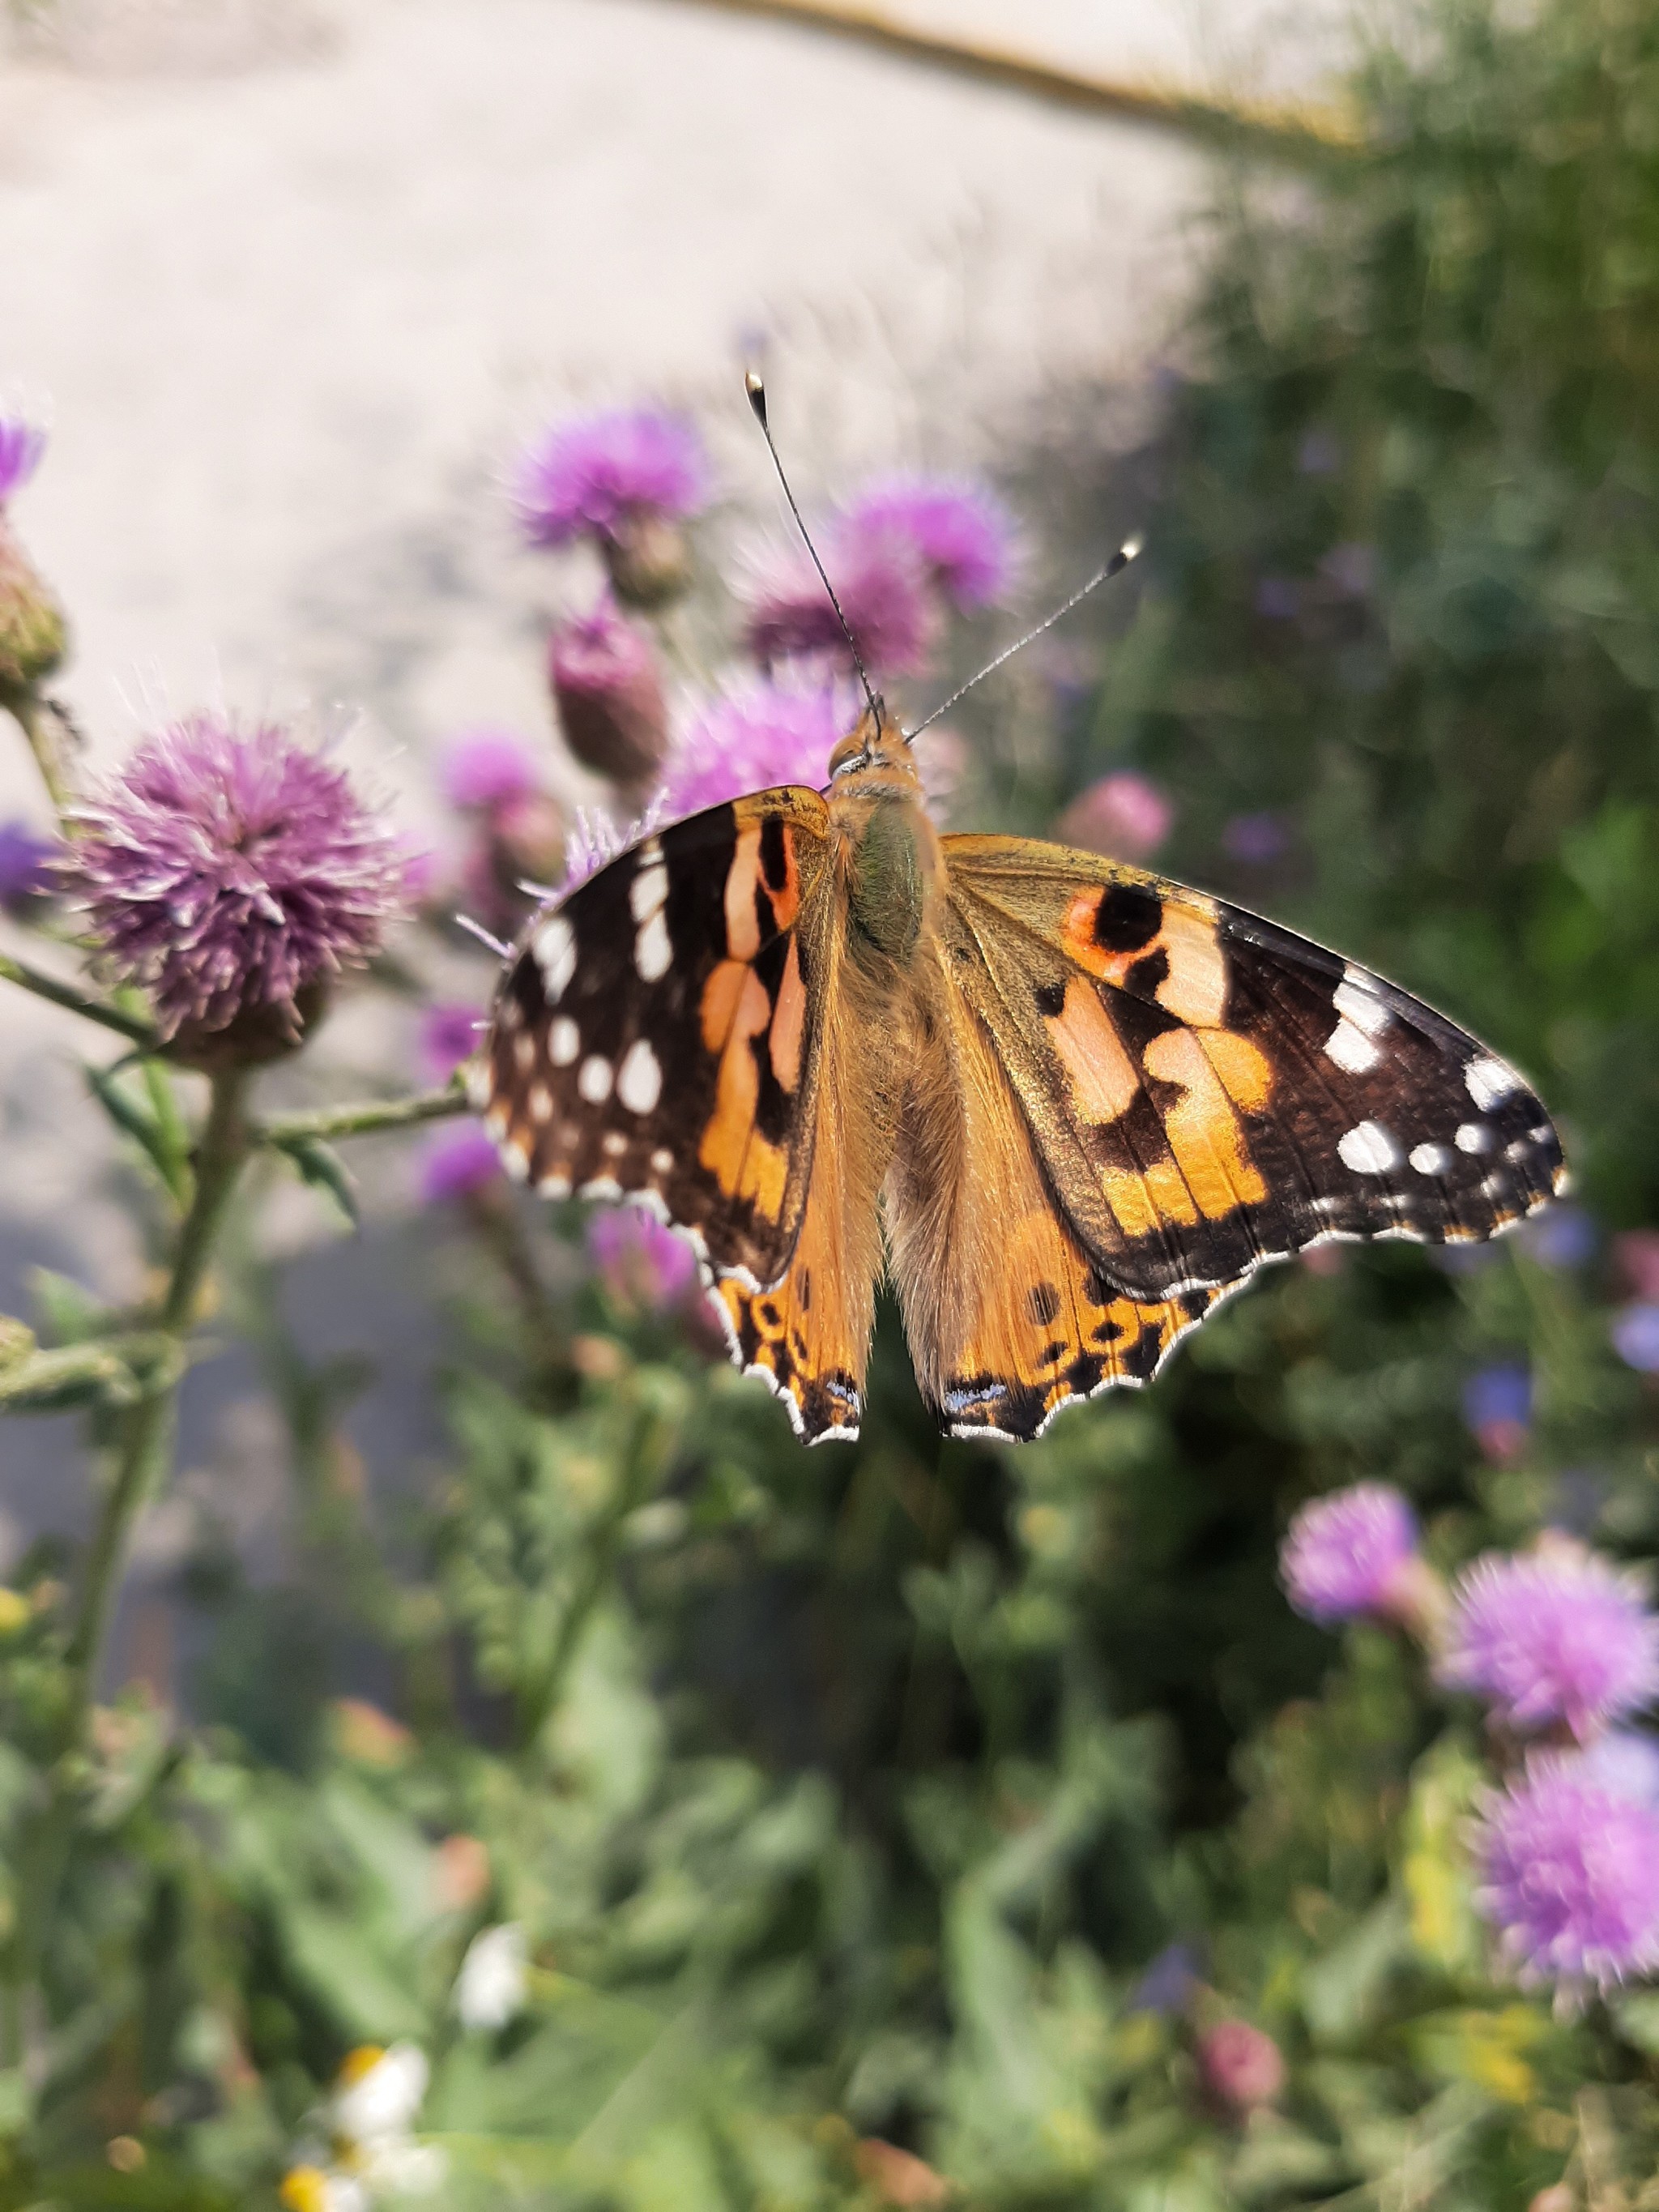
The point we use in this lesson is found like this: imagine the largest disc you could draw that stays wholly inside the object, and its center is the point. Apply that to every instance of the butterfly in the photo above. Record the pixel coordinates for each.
(1069, 1105)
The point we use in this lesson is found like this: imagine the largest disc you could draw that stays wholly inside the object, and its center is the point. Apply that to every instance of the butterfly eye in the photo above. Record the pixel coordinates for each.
(851, 752)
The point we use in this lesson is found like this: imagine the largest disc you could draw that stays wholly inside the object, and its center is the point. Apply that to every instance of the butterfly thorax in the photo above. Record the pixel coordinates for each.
(887, 847)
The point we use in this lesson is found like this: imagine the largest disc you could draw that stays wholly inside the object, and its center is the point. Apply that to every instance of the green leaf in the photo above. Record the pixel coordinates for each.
(155, 1139)
(70, 1313)
(321, 1166)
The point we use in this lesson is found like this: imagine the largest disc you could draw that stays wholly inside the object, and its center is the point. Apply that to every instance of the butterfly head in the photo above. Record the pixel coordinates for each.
(874, 758)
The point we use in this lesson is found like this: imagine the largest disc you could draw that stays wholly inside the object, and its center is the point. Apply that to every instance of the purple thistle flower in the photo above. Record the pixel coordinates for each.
(1170, 1980)
(1498, 1410)
(609, 697)
(1241, 2067)
(639, 1262)
(456, 1163)
(1559, 1634)
(1279, 598)
(1350, 1553)
(230, 871)
(1569, 1875)
(484, 767)
(1635, 1333)
(1636, 1255)
(960, 533)
(1123, 816)
(449, 1036)
(21, 444)
(596, 473)
(1319, 454)
(755, 740)
(1255, 839)
(26, 865)
(1625, 1761)
(1560, 1236)
(880, 586)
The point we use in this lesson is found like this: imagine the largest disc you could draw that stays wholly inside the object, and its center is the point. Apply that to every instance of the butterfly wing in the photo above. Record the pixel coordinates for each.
(1009, 1315)
(1208, 1091)
(1163, 1091)
(660, 1034)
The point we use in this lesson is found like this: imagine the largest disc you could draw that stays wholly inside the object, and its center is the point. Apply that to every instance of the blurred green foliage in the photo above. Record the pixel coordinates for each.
(847, 1797)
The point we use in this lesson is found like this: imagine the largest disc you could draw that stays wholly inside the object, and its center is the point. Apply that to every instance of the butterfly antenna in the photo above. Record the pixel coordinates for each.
(755, 386)
(1119, 561)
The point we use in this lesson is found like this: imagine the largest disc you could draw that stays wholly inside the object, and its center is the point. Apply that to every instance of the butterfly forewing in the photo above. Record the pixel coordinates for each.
(657, 1032)
(1208, 1090)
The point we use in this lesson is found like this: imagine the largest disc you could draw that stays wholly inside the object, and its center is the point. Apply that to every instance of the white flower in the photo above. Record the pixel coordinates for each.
(403, 2169)
(377, 2101)
(490, 1988)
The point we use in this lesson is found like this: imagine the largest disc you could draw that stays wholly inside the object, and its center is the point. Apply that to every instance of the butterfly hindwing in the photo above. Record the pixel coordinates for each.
(1208, 1090)
(657, 1032)
(1009, 1316)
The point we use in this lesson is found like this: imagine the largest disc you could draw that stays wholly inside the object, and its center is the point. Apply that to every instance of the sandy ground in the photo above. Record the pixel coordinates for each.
(295, 275)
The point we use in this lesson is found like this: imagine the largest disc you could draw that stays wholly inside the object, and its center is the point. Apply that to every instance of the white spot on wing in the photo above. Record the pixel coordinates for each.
(541, 1102)
(555, 947)
(638, 1079)
(564, 1042)
(593, 1079)
(1356, 1000)
(653, 953)
(1369, 1149)
(555, 1185)
(524, 1051)
(1486, 1081)
(615, 1144)
(480, 1085)
(661, 1160)
(1351, 1049)
(515, 1160)
(1473, 1137)
(647, 892)
(1431, 1160)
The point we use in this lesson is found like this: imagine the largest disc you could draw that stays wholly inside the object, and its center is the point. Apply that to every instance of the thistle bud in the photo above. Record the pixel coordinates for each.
(33, 635)
(647, 560)
(609, 698)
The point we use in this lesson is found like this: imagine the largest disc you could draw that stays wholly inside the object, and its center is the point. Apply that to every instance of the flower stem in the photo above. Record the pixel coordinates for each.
(147, 1432)
(362, 1120)
(31, 978)
(31, 715)
(148, 1427)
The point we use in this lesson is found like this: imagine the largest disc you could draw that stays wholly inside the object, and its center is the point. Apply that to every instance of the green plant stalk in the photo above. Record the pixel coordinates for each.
(223, 1149)
(31, 978)
(642, 1460)
(25, 708)
(219, 1160)
(365, 1120)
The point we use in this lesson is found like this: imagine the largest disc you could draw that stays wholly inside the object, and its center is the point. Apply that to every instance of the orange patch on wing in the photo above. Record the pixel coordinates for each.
(1245, 1073)
(1101, 1076)
(1203, 1127)
(788, 1023)
(719, 1002)
(1077, 932)
(743, 1162)
(1143, 1200)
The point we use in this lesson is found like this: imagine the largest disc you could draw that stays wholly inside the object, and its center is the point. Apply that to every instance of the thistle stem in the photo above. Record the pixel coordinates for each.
(31, 715)
(219, 1158)
(364, 1120)
(31, 978)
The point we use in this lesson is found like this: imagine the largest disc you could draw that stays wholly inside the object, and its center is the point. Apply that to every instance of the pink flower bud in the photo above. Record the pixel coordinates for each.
(609, 697)
(1123, 816)
(1242, 2069)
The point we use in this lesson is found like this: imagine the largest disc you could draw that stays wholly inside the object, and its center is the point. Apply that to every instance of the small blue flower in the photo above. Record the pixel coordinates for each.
(1635, 1333)
(1560, 1236)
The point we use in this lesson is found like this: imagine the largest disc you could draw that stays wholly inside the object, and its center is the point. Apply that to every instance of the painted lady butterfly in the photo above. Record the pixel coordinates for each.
(1075, 1103)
